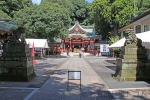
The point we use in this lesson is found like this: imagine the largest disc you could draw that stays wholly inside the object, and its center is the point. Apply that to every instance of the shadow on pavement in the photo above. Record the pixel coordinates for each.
(105, 68)
(43, 70)
(58, 89)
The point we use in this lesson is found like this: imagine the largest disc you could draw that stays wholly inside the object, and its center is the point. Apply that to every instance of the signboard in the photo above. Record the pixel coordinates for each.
(74, 75)
(104, 48)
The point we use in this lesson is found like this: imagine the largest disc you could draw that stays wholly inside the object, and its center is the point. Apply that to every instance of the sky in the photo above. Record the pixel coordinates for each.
(38, 1)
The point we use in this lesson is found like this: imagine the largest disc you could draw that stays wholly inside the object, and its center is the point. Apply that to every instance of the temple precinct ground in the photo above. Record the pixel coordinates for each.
(96, 82)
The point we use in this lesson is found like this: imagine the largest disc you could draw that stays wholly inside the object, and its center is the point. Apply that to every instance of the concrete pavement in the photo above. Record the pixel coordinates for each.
(23, 90)
(96, 82)
(133, 90)
(92, 87)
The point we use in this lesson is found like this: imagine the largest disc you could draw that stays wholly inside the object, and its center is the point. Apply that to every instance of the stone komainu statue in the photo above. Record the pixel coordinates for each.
(18, 36)
(16, 62)
(131, 38)
(9, 32)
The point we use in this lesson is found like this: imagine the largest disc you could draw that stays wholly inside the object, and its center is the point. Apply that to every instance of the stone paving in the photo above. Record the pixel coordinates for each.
(14, 93)
(135, 90)
(92, 87)
(96, 82)
(23, 90)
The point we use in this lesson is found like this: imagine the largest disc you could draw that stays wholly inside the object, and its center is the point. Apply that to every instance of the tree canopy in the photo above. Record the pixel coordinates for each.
(143, 6)
(113, 14)
(64, 3)
(48, 20)
(10, 6)
(52, 18)
(122, 11)
(79, 10)
(4, 15)
(102, 17)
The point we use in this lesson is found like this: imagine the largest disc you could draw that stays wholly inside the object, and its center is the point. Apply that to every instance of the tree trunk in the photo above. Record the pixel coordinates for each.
(115, 29)
(113, 53)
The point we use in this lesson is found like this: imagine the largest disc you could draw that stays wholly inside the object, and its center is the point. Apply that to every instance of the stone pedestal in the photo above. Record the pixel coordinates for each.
(131, 64)
(16, 62)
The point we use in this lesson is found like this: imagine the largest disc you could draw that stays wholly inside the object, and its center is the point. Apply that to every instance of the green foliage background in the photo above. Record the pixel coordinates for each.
(110, 15)
(48, 20)
(52, 18)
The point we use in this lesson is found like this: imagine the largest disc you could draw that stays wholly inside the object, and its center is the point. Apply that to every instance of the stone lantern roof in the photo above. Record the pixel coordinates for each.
(7, 26)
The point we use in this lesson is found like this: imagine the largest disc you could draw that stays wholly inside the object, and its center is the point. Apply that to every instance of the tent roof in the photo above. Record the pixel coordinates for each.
(143, 36)
(38, 43)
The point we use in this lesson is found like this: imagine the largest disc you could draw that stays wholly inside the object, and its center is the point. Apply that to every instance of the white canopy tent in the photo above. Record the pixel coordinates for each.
(38, 43)
(145, 37)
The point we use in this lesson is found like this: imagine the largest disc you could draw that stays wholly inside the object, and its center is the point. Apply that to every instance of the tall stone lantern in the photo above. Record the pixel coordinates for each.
(131, 64)
(16, 61)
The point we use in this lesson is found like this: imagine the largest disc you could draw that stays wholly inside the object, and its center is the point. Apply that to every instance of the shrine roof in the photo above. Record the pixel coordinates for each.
(86, 29)
(7, 25)
(89, 30)
(85, 35)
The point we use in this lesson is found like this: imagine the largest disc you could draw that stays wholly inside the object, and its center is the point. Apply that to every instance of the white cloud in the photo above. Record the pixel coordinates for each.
(36, 1)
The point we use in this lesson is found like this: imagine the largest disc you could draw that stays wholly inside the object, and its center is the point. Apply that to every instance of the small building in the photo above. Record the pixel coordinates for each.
(141, 27)
(80, 37)
(139, 24)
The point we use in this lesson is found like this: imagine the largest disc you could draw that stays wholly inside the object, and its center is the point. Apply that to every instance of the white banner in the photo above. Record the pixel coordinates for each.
(104, 48)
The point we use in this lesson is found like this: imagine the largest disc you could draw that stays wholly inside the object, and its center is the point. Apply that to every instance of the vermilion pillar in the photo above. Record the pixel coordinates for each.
(70, 44)
(94, 44)
(82, 43)
(62, 43)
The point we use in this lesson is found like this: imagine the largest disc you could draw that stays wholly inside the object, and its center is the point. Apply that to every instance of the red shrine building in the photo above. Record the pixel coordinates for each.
(80, 37)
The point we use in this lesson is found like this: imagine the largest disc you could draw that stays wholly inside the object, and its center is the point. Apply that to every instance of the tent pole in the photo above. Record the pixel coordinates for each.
(42, 53)
(48, 52)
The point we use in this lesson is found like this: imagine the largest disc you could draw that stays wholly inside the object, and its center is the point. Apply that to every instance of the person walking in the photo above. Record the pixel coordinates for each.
(98, 53)
(67, 51)
(80, 53)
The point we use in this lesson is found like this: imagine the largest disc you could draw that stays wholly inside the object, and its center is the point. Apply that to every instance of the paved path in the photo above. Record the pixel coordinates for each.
(133, 90)
(21, 90)
(96, 81)
(93, 88)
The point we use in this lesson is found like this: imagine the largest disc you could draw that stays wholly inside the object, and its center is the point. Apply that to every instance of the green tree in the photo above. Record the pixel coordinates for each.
(122, 11)
(114, 39)
(4, 15)
(102, 17)
(89, 20)
(48, 20)
(10, 6)
(80, 11)
(115, 12)
(144, 6)
(64, 3)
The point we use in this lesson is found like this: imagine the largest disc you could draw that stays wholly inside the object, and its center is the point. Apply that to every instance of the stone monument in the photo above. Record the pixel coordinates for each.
(16, 61)
(131, 64)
